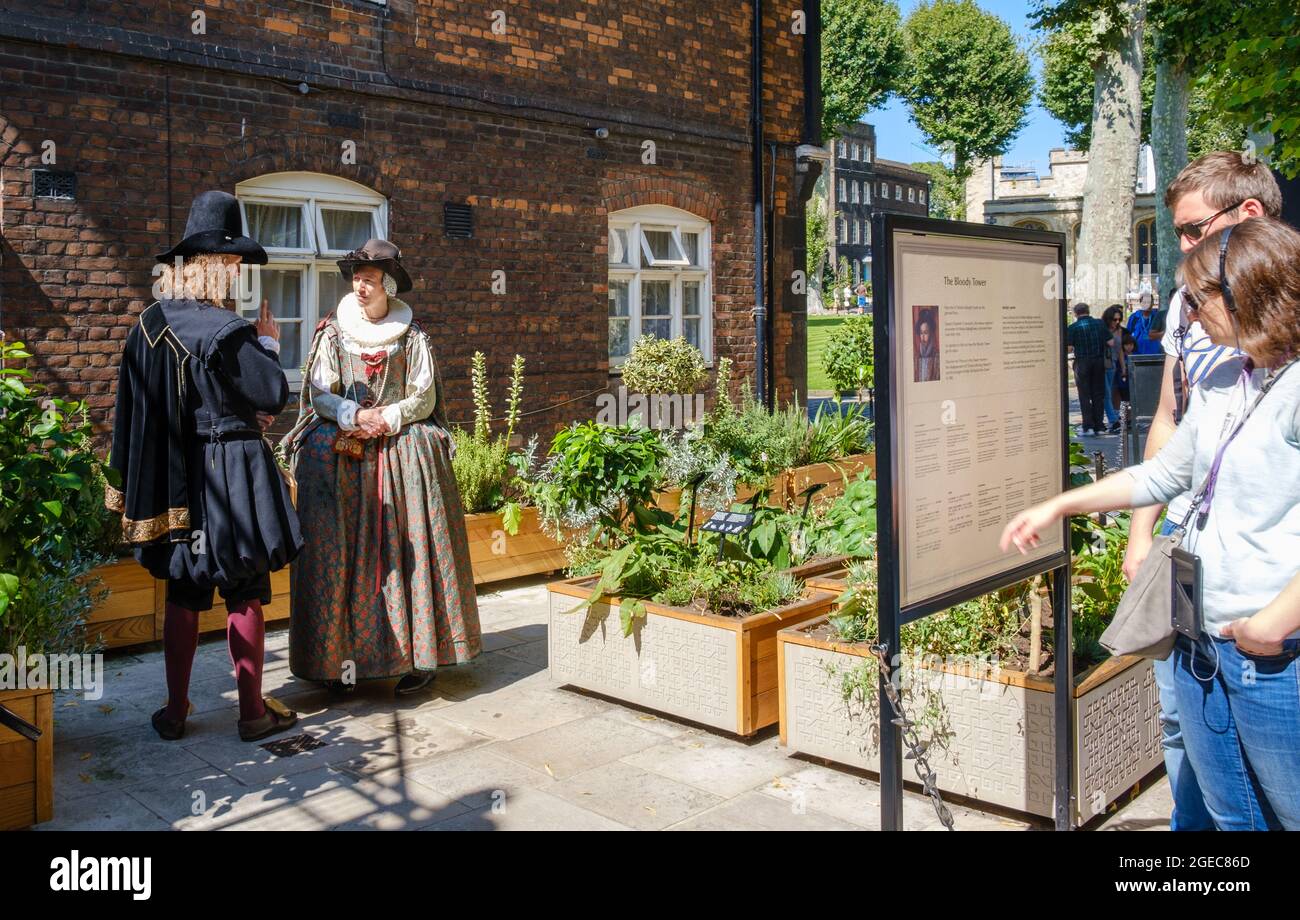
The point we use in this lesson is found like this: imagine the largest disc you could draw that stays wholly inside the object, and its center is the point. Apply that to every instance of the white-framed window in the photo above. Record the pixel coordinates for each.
(866, 232)
(660, 279)
(857, 151)
(884, 190)
(911, 195)
(305, 222)
(844, 231)
(843, 190)
(855, 185)
(844, 150)
(898, 193)
(921, 193)
(866, 152)
(857, 233)
(866, 192)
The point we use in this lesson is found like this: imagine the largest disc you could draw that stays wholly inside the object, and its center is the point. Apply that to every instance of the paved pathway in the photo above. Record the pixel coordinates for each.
(498, 745)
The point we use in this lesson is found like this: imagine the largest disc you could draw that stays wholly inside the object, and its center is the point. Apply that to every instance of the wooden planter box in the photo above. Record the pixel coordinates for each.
(133, 608)
(495, 555)
(715, 670)
(27, 767)
(833, 473)
(1001, 751)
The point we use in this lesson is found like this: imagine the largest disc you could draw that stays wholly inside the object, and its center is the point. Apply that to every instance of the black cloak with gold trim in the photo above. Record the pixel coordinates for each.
(202, 497)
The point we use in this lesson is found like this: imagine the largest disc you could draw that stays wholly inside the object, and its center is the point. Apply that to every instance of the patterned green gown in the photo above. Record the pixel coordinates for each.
(384, 580)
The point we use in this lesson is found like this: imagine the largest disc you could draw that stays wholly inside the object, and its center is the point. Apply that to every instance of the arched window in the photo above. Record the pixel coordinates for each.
(1145, 248)
(1030, 225)
(305, 221)
(660, 279)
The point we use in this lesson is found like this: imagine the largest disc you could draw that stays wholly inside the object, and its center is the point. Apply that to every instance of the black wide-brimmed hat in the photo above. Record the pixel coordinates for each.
(380, 254)
(215, 228)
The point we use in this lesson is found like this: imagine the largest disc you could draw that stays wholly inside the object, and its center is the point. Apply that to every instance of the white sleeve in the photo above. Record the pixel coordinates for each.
(270, 344)
(1169, 341)
(323, 378)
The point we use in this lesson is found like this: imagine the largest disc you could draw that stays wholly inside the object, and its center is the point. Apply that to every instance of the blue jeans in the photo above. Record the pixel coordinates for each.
(1241, 725)
(1190, 813)
(1112, 414)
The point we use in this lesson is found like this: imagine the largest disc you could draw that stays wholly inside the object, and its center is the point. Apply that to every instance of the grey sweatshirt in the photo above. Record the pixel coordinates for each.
(1250, 546)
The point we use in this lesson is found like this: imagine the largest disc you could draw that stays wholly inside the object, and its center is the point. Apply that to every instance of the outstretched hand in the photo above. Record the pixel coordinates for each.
(1024, 530)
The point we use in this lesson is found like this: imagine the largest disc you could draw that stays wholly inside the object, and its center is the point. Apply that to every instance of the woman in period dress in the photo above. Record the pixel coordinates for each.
(383, 588)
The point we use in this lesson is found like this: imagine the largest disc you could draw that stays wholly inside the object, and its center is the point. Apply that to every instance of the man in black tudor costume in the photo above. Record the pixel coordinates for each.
(203, 500)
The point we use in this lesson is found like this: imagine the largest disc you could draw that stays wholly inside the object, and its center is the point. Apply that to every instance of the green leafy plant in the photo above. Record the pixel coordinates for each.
(53, 525)
(660, 561)
(760, 443)
(599, 477)
(848, 528)
(663, 366)
(837, 432)
(849, 357)
(484, 466)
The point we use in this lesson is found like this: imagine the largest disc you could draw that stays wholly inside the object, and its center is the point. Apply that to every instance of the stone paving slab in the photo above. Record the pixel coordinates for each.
(495, 745)
(635, 797)
(573, 747)
(754, 811)
(529, 810)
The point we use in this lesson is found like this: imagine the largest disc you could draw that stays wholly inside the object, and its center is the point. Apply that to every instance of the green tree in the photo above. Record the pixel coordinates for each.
(1104, 253)
(816, 228)
(1070, 55)
(1250, 53)
(947, 196)
(969, 82)
(862, 59)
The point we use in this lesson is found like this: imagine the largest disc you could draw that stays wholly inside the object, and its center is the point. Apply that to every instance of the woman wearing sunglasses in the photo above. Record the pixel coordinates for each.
(1239, 447)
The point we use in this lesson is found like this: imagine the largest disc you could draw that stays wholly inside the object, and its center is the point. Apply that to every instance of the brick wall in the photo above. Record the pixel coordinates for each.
(144, 111)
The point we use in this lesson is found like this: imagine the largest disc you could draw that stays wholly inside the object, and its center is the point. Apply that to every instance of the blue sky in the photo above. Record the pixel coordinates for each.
(898, 139)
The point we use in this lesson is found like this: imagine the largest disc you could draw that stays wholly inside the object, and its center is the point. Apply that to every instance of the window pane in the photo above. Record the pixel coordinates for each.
(620, 323)
(690, 298)
(346, 230)
(691, 331)
(276, 226)
(656, 308)
(656, 298)
(283, 288)
(331, 288)
(618, 299)
(691, 242)
(618, 254)
(291, 345)
(662, 247)
(619, 337)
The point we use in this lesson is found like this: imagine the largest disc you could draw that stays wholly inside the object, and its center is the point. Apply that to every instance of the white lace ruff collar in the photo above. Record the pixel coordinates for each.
(352, 320)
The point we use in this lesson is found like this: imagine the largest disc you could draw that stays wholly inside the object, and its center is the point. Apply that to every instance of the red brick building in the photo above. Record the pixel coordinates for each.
(561, 175)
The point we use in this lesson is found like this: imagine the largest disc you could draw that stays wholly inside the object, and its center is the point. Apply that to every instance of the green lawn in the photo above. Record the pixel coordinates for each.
(819, 330)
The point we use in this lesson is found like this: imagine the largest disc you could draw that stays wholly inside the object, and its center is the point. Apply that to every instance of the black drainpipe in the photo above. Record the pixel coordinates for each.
(812, 73)
(756, 125)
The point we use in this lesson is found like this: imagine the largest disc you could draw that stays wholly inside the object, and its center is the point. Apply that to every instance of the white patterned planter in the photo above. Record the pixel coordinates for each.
(1003, 725)
(715, 670)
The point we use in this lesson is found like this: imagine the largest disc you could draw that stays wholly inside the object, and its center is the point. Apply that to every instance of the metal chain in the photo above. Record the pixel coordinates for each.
(916, 748)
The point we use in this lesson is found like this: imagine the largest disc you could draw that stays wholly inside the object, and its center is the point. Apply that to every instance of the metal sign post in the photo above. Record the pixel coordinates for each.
(894, 610)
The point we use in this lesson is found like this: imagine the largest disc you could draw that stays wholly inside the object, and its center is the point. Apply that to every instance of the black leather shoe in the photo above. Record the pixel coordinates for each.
(166, 728)
(339, 688)
(414, 682)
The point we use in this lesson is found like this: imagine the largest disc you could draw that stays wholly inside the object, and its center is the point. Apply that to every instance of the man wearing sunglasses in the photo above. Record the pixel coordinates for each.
(1212, 192)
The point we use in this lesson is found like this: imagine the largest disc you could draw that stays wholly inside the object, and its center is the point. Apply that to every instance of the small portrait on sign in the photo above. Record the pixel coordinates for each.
(925, 344)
